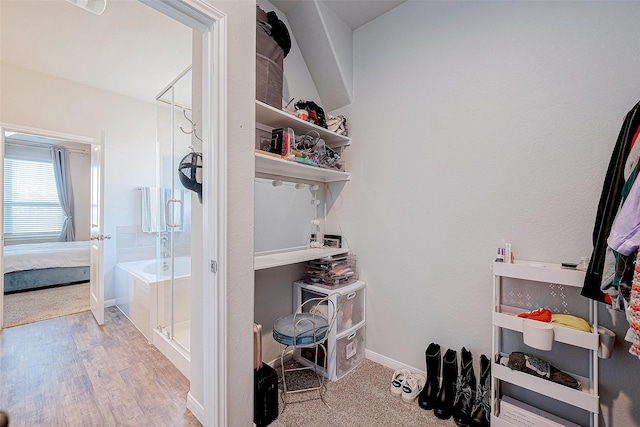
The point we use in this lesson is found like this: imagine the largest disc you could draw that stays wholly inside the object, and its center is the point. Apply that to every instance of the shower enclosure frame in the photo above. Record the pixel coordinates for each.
(168, 172)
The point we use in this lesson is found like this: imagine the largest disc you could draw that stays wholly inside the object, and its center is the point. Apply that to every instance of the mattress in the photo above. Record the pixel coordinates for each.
(35, 256)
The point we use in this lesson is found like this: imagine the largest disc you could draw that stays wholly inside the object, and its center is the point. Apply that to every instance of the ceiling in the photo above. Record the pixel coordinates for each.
(354, 13)
(130, 49)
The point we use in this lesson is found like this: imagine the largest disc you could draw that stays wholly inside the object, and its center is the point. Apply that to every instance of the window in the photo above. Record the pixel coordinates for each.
(31, 205)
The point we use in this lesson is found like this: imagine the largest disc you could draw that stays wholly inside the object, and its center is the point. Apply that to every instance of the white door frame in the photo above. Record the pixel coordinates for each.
(212, 23)
(6, 127)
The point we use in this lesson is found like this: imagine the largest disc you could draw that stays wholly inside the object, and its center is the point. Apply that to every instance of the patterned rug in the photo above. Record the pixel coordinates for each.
(33, 306)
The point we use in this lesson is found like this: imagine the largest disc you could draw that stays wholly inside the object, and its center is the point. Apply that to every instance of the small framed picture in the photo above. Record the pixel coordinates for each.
(332, 240)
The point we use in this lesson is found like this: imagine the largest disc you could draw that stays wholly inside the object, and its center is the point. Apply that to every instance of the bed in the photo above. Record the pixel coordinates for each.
(41, 265)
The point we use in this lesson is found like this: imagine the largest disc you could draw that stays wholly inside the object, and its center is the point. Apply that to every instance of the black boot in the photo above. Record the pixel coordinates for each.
(447, 392)
(465, 390)
(427, 397)
(481, 416)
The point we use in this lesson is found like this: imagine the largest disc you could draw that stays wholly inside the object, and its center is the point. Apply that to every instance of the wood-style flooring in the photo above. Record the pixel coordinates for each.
(71, 372)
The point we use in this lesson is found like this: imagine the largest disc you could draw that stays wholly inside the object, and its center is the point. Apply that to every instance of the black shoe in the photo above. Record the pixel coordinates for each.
(481, 416)
(447, 392)
(465, 390)
(427, 397)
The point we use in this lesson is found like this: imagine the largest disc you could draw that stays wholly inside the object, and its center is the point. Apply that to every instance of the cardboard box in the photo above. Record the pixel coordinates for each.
(522, 415)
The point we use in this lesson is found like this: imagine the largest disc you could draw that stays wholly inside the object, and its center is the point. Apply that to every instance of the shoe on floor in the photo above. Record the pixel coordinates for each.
(412, 387)
(397, 381)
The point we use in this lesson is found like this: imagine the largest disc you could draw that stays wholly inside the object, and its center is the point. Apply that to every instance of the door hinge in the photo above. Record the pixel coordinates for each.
(214, 267)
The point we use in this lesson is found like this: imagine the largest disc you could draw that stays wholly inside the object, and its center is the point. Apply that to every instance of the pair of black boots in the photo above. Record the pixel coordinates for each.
(457, 395)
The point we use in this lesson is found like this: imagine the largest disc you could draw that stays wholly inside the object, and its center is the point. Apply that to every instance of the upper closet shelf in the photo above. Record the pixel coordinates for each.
(275, 167)
(274, 118)
(539, 272)
(285, 258)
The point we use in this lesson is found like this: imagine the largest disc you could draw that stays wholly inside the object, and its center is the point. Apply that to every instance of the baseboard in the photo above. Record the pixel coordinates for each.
(275, 363)
(390, 363)
(195, 407)
(109, 303)
(371, 355)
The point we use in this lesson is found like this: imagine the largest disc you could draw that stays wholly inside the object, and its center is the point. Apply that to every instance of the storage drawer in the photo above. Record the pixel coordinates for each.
(350, 308)
(350, 351)
(349, 302)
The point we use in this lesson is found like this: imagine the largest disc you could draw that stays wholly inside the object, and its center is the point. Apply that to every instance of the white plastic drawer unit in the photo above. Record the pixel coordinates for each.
(349, 301)
(346, 344)
(350, 351)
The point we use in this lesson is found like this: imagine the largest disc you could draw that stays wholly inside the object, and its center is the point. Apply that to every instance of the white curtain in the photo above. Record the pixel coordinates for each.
(65, 191)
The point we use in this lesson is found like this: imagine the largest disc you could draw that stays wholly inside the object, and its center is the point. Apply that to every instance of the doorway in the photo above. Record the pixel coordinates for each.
(40, 251)
(46, 254)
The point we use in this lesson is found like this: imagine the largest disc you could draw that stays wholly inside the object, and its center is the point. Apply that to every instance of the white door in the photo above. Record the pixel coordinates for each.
(97, 232)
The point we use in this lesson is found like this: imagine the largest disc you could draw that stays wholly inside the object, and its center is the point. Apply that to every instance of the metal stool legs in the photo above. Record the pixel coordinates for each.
(320, 377)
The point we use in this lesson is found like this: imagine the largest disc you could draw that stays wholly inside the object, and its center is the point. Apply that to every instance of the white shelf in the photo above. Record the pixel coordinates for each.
(275, 167)
(274, 118)
(285, 258)
(583, 398)
(507, 318)
(539, 272)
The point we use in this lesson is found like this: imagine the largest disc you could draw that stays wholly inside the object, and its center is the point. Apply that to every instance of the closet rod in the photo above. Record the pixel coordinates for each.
(42, 145)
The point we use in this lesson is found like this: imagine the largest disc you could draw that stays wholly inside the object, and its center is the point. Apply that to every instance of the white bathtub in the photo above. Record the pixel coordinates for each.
(148, 270)
(145, 298)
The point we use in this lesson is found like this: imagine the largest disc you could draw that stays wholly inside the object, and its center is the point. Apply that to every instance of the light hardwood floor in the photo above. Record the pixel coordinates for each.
(71, 372)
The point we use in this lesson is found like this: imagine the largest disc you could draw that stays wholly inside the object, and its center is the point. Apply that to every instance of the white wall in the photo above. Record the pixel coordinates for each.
(475, 123)
(241, 45)
(36, 100)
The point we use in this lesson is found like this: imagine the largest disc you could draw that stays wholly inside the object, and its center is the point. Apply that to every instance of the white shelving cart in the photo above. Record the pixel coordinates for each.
(505, 317)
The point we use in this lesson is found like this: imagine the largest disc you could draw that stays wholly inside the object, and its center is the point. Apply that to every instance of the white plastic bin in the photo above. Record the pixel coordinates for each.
(350, 351)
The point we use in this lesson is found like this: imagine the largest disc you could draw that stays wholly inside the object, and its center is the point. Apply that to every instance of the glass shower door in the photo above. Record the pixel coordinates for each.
(173, 245)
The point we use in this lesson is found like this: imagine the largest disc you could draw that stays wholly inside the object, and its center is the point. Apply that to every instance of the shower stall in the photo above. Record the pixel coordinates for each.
(176, 135)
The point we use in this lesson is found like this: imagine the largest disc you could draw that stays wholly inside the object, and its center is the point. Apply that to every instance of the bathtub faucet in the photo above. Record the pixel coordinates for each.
(166, 254)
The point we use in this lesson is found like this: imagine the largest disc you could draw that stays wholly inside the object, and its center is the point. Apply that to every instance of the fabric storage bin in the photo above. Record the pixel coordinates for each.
(269, 65)
(350, 351)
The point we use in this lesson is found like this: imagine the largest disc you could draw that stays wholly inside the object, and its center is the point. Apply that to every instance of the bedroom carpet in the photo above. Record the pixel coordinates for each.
(361, 398)
(34, 306)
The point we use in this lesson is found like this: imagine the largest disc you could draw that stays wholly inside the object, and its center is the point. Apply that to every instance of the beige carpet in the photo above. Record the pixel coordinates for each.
(34, 306)
(361, 398)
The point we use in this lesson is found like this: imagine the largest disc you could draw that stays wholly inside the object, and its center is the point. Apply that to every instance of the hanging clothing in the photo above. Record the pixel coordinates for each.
(625, 232)
(609, 204)
(633, 312)
(618, 267)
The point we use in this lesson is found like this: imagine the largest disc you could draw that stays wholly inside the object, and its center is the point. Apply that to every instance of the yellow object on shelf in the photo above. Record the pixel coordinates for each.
(569, 321)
